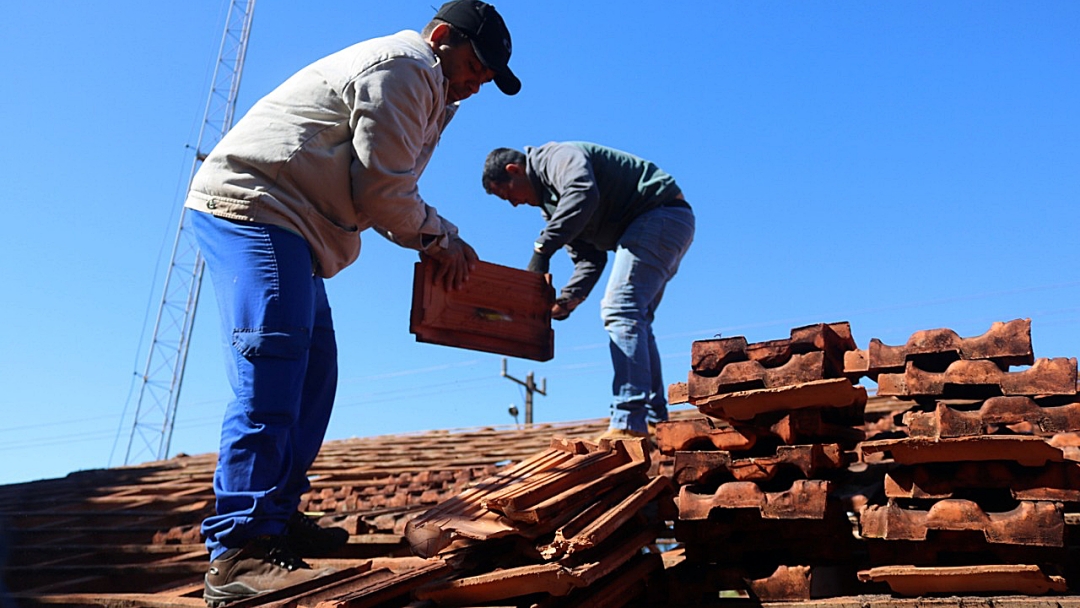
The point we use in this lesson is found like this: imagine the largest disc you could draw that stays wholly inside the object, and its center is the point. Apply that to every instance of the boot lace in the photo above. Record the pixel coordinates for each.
(280, 555)
(306, 522)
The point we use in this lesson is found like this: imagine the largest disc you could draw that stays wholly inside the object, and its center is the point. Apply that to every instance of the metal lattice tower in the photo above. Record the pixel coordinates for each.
(163, 375)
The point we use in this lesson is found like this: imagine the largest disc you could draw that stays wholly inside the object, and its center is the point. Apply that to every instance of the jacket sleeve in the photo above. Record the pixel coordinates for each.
(396, 119)
(589, 264)
(570, 174)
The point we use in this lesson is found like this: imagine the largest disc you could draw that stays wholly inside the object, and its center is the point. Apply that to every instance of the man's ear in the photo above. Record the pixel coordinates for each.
(515, 169)
(438, 34)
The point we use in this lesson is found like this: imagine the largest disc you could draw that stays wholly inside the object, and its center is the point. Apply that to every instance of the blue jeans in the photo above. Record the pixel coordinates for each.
(281, 361)
(646, 258)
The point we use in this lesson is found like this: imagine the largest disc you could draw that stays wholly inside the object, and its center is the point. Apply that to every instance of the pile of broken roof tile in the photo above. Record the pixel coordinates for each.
(570, 526)
(968, 494)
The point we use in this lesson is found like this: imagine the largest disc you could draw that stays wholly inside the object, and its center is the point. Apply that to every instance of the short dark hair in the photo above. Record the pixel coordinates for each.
(495, 166)
(456, 36)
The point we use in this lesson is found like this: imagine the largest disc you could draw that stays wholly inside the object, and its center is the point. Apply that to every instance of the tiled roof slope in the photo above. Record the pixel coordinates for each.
(129, 536)
(784, 484)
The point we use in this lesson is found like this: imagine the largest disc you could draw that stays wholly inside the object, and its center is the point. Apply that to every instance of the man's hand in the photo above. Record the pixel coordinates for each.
(563, 307)
(455, 263)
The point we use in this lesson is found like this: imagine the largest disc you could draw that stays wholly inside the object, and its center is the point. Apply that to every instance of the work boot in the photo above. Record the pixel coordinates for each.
(265, 564)
(308, 539)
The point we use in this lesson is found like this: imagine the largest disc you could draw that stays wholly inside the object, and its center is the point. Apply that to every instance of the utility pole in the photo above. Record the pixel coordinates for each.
(530, 388)
(155, 414)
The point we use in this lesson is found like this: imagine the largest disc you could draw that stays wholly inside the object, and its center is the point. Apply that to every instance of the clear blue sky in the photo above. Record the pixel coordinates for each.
(898, 165)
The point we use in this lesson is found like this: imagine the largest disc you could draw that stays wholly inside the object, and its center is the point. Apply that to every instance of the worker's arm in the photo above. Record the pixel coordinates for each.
(396, 117)
(570, 174)
(589, 264)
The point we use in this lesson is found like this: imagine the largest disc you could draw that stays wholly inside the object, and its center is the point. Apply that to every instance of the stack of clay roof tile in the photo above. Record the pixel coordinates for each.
(977, 492)
(967, 491)
(759, 508)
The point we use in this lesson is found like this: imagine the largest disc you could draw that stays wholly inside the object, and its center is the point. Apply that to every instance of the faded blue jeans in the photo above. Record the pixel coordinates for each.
(281, 361)
(646, 258)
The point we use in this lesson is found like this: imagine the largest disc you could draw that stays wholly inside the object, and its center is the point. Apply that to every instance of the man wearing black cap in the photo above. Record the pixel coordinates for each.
(277, 207)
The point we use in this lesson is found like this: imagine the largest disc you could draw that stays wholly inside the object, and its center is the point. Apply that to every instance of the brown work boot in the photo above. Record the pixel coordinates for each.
(308, 539)
(265, 564)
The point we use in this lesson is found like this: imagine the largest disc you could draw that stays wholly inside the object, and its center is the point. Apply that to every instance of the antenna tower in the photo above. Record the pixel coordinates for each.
(163, 375)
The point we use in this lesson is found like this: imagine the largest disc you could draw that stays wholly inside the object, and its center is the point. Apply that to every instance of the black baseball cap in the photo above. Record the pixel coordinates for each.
(490, 38)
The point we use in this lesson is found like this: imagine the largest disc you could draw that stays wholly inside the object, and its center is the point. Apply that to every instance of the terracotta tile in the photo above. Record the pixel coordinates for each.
(499, 310)
(741, 537)
(699, 431)
(805, 499)
(678, 392)
(1056, 481)
(857, 365)
(626, 586)
(973, 379)
(745, 405)
(1004, 579)
(596, 526)
(1005, 343)
(811, 461)
(951, 420)
(709, 357)
(747, 375)
(1030, 523)
(1025, 450)
(958, 548)
(531, 491)
(554, 578)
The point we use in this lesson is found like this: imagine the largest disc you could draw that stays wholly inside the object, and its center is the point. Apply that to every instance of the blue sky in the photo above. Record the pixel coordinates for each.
(898, 165)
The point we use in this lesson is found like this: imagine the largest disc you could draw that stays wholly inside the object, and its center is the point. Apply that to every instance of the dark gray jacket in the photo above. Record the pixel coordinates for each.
(589, 195)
